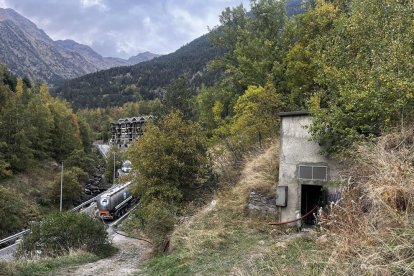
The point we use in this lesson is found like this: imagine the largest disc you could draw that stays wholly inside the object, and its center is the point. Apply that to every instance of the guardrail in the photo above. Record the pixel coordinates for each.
(14, 237)
(17, 236)
(85, 203)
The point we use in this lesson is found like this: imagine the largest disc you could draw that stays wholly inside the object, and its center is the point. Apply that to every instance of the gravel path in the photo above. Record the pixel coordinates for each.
(126, 262)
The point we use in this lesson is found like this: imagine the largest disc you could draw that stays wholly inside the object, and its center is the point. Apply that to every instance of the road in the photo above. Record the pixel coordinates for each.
(7, 253)
(104, 150)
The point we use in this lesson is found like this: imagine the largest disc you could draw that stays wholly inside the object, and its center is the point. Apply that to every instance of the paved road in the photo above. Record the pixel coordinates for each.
(104, 150)
(6, 254)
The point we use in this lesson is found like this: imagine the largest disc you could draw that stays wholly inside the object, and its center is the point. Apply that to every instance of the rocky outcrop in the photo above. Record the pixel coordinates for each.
(29, 52)
(141, 57)
(262, 204)
(38, 59)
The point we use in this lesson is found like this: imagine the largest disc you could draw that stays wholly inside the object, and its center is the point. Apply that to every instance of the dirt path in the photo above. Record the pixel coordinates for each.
(126, 262)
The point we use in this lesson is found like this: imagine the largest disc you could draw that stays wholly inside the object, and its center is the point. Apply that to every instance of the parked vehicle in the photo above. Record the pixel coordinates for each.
(115, 202)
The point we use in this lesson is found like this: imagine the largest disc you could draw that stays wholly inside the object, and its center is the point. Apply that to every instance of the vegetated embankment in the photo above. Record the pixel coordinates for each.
(369, 231)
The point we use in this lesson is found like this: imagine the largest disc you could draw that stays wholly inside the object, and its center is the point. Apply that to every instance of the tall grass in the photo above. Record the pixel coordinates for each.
(372, 227)
(224, 239)
(370, 231)
(45, 266)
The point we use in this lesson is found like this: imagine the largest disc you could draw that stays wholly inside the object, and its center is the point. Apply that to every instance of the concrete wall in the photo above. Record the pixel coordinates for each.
(295, 149)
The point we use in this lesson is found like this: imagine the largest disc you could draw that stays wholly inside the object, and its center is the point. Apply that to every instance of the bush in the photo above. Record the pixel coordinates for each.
(72, 188)
(157, 220)
(372, 225)
(15, 212)
(58, 233)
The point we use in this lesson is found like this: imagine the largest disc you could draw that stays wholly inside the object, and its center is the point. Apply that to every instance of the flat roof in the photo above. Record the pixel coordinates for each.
(294, 113)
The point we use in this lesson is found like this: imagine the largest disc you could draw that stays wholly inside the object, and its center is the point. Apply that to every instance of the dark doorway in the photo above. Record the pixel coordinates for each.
(311, 196)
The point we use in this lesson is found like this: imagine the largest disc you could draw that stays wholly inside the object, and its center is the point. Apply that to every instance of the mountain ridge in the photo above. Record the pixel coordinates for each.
(29, 52)
(143, 81)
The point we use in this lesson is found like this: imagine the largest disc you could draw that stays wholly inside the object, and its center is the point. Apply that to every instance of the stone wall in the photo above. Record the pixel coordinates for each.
(262, 204)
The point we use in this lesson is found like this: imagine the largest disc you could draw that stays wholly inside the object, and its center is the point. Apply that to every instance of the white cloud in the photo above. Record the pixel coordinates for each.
(3, 4)
(92, 3)
(131, 26)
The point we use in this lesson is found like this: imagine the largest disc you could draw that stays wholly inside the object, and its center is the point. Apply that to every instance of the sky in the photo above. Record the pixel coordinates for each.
(124, 28)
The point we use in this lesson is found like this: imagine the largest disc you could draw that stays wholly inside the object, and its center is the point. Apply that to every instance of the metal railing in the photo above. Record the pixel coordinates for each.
(14, 237)
(85, 203)
(17, 236)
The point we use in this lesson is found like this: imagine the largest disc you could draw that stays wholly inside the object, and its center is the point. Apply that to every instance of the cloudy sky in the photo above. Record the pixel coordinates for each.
(123, 28)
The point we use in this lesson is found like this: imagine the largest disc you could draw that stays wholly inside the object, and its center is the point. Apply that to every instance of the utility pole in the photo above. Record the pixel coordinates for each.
(114, 170)
(61, 188)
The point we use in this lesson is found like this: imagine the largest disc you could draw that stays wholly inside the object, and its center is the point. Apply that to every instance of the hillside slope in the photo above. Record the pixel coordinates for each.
(38, 59)
(146, 80)
(225, 238)
(369, 231)
(29, 52)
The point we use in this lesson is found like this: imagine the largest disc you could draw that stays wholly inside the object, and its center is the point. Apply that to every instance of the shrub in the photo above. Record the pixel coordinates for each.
(15, 211)
(58, 233)
(72, 188)
(157, 220)
(372, 225)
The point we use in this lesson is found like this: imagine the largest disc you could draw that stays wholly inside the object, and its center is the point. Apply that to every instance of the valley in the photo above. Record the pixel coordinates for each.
(280, 142)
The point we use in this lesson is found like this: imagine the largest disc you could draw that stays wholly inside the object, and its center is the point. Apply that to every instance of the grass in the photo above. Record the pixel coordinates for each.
(368, 232)
(46, 266)
(224, 239)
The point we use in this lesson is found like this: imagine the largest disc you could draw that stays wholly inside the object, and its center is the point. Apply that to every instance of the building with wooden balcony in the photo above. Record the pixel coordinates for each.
(126, 130)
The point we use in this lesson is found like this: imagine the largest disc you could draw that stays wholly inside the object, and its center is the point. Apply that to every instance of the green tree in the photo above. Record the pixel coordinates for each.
(179, 96)
(86, 135)
(16, 134)
(366, 74)
(15, 212)
(72, 188)
(169, 162)
(65, 133)
(78, 158)
(40, 123)
(59, 233)
(256, 116)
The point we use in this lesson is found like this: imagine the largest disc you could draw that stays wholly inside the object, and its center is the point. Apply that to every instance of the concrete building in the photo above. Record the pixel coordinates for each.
(126, 130)
(305, 176)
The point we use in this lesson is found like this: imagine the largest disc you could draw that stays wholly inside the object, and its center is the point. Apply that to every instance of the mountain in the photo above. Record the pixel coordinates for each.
(145, 80)
(146, 56)
(90, 55)
(29, 51)
(25, 55)
(148, 80)
(25, 24)
(102, 62)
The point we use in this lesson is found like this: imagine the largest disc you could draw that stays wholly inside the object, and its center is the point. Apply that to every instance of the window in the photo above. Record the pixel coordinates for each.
(309, 172)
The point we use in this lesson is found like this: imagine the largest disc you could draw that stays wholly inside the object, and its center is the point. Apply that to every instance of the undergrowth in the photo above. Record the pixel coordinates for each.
(369, 231)
(47, 266)
(372, 226)
(224, 239)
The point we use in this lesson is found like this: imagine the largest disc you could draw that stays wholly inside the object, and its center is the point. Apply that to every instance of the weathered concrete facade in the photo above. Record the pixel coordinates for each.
(304, 172)
(126, 130)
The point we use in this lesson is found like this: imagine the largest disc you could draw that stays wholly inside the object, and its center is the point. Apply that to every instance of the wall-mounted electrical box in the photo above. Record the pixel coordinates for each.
(282, 195)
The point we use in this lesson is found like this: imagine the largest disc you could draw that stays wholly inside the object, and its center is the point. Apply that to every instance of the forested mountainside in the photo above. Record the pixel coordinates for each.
(37, 131)
(99, 61)
(29, 52)
(34, 58)
(117, 86)
(147, 80)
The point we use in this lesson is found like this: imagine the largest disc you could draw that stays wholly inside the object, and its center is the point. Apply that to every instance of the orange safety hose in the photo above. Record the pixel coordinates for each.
(290, 221)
